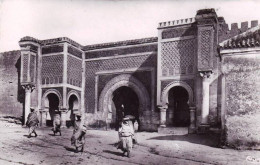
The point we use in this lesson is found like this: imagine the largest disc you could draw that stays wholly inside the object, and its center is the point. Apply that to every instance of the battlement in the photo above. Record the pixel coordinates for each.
(243, 26)
(176, 22)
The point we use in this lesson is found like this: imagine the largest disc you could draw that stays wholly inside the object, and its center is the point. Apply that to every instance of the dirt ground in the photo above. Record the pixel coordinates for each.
(153, 148)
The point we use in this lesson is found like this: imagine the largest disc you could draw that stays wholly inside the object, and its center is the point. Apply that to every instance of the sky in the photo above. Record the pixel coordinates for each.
(90, 22)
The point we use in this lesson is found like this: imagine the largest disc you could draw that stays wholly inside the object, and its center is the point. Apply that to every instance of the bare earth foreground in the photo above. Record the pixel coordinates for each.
(153, 148)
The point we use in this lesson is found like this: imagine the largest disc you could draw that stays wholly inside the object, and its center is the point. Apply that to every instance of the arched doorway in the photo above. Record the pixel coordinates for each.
(52, 102)
(73, 104)
(124, 102)
(107, 107)
(178, 114)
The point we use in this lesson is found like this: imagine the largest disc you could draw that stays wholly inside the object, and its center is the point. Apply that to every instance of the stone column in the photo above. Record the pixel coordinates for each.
(192, 127)
(163, 115)
(43, 113)
(28, 90)
(205, 96)
(63, 117)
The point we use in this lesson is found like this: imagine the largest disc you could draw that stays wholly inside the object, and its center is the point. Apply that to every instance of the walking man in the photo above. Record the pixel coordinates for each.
(126, 133)
(32, 122)
(78, 137)
(56, 123)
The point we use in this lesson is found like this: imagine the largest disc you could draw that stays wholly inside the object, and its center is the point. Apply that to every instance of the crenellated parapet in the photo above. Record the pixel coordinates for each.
(176, 23)
(226, 32)
(249, 38)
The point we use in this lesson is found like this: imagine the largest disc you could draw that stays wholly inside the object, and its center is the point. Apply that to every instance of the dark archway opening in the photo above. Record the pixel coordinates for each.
(125, 102)
(178, 108)
(73, 108)
(53, 105)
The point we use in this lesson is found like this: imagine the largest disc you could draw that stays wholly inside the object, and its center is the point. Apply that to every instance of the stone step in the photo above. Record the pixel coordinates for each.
(173, 130)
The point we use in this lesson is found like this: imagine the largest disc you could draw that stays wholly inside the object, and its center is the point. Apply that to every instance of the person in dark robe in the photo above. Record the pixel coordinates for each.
(32, 122)
(56, 123)
(78, 137)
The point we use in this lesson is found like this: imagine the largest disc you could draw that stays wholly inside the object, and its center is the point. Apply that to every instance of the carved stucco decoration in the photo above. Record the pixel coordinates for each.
(74, 92)
(178, 57)
(165, 92)
(54, 91)
(205, 48)
(177, 32)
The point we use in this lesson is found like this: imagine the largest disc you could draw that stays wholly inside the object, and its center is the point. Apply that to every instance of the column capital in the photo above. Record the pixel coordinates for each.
(28, 87)
(192, 108)
(205, 74)
(163, 107)
(63, 109)
(43, 110)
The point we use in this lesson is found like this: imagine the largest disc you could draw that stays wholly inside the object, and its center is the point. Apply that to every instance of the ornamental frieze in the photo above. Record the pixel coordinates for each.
(31, 47)
(52, 49)
(177, 32)
(74, 52)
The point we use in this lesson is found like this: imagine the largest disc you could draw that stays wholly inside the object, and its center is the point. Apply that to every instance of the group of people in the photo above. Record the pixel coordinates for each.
(78, 137)
(127, 131)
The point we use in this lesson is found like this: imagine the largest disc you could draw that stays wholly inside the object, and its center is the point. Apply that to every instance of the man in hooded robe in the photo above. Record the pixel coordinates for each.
(32, 122)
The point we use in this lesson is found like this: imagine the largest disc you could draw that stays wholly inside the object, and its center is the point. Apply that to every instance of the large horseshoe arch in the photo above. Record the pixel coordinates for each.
(126, 80)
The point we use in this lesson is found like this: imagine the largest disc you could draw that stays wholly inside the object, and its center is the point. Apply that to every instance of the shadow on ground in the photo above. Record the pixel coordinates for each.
(211, 140)
(70, 149)
(114, 153)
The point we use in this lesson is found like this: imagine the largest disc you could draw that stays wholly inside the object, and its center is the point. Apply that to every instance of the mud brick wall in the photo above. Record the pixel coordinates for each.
(112, 64)
(242, 86)
(11, 93)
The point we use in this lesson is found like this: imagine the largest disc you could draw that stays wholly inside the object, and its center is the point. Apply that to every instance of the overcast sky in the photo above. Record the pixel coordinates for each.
(91, 22)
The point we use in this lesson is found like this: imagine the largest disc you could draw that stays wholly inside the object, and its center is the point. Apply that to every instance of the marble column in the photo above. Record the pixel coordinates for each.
(205, 96)
(192, 127)
(28, 90)
(163, 115)
(63, 117)
(170, 115)
(43, 113)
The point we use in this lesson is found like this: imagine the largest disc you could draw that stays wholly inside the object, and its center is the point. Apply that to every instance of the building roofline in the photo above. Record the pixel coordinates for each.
(249, 38)
(89, 47)
(120, 43)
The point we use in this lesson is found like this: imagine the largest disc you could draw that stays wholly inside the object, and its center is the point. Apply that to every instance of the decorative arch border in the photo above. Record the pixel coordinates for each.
(73, 92)
(165, 92)
(54, 91)
(120, 81)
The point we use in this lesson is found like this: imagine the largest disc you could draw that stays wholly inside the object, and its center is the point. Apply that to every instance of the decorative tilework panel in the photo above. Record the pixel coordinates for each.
(52, 69)
(112, 64)
(74, 71)
(25, 66)
(205, 49)
(32, 68)
(178, 57)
